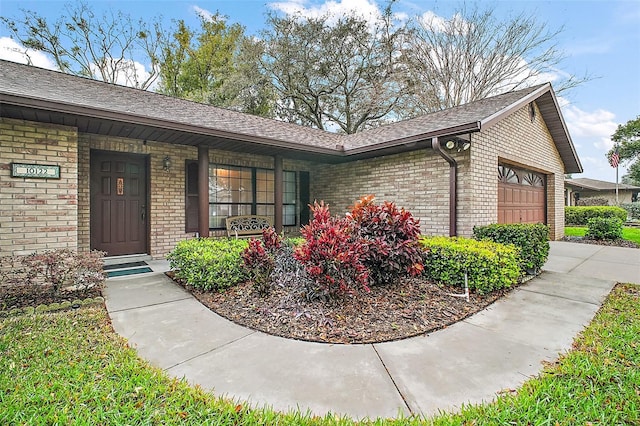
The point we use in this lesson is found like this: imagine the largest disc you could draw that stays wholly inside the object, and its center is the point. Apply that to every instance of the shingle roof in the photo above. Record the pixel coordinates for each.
(455, 120)
(190, 123)
(598, 185)
(52, 86)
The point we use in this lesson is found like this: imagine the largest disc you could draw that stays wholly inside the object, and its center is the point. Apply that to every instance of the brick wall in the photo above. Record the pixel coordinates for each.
(166, 207)
(624, 195)
(417, 181)
(518, 141)
(37, 214)
(167, 189)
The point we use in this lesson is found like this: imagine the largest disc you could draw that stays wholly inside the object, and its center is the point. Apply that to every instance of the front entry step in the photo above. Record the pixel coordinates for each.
(129, 258)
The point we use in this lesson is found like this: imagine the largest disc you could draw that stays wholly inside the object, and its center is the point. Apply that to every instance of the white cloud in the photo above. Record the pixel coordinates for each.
(430, 20)
(204, 13)
(13, 51)
(367, 9)
(595, 126)
(591, 133)
(128, 73)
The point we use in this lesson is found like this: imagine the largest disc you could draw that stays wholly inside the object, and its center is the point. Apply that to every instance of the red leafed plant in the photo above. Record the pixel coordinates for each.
(259, 259)
(390, 236)
(331, 255)
(271, 239)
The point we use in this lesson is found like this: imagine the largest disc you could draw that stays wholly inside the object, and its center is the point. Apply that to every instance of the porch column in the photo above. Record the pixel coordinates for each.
(203, 190)
(278, 190)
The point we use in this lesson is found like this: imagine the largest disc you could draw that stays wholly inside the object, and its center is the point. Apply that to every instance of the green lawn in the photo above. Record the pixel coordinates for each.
(631, 234)
(71, 368)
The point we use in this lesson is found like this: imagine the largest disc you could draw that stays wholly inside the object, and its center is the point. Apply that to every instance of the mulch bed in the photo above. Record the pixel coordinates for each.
(613, 243)
(22, 296)
(392, 312)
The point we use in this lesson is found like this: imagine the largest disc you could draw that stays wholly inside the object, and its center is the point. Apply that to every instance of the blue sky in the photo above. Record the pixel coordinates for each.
(600, 38)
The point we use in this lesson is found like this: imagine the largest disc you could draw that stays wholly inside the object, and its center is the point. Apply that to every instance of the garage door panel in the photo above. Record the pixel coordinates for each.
(521, 196)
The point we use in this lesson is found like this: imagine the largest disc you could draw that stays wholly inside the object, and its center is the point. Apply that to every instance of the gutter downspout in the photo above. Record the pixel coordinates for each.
(453, 180)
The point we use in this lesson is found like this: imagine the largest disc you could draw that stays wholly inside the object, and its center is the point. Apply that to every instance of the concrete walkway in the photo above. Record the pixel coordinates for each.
(471, 361)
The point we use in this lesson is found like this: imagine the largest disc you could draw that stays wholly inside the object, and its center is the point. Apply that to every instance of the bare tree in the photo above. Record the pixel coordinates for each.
(334, 73)
(106, 47)
(474, 55)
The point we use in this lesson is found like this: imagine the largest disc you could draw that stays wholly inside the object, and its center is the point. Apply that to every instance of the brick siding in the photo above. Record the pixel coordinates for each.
(37, 214)
(167, 189)
(419, 181)
(518, 141)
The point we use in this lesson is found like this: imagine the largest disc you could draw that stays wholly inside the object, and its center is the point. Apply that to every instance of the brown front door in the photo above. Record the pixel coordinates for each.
(118, 203)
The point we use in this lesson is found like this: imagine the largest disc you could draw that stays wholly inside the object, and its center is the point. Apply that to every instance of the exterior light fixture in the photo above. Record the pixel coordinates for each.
(166, 164)
(458, 144)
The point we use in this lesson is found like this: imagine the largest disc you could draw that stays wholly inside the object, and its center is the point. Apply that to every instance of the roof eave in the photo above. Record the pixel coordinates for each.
(578, 168)
(410, 141)
(572, 164)
(127, 117)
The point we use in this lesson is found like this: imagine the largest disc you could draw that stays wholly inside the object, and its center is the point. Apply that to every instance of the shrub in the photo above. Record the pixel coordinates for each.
(293, 241)
(55, 269)
(489, 265)
(604, 228)
(290, 272)
(259, 264)
(259, 259)
(209, 263)
(577, 215)
(531, 239)
(330, 254)
(271, 240)
(633, 210)
(390, 239)
(60, 273)
(593, 201)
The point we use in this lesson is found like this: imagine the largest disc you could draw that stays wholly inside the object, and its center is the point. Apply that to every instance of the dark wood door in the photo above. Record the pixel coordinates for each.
(118, 203)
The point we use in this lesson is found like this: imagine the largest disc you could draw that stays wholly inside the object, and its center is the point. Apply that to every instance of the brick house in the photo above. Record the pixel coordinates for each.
(129, 171)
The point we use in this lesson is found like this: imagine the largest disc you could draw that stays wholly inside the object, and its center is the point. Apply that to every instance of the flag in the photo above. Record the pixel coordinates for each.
(615, 158)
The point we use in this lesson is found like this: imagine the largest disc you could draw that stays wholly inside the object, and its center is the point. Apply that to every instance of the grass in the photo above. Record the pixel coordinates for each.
(598, 382)
(631, 234)
(71, 368)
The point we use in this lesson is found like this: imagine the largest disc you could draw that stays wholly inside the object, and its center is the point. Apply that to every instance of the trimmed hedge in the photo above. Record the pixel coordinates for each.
(580, 215)
(490, 266)
(209, 263)
(633, 209)
(531, 239)
(604, 228)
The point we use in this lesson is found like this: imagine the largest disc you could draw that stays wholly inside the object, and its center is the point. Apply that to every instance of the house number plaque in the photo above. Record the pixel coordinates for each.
(40, 171)
(120, 186)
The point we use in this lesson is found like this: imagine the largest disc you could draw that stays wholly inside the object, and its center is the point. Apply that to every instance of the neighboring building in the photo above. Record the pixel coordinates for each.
(581, 188)
(139, 171)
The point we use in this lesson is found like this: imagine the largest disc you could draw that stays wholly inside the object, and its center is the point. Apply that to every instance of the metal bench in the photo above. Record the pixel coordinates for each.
(247, 226)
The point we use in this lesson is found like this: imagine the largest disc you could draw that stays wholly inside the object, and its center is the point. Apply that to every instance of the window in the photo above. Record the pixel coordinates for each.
(507, 175)
(235, 191)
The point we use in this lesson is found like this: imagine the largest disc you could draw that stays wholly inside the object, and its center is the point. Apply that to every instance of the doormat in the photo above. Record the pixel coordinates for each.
(125, 265)
(123, 272)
